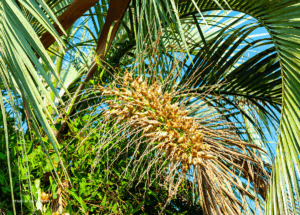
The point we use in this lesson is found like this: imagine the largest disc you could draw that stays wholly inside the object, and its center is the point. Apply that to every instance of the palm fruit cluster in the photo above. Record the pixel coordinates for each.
(45, 197)
(165, 124)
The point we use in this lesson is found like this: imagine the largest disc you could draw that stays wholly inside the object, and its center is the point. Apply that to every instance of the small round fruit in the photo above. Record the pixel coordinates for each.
(45, 197)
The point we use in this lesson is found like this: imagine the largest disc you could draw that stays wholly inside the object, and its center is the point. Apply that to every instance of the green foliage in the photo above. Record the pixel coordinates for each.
(5, 191)
(37, 85)
(94, 191)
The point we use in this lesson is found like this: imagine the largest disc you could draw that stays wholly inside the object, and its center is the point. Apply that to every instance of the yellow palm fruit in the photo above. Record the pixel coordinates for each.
(172, 145)
(176, 134)
(190, 159)
(127, 76)
(185, 113)
(205, 147)
(151, 114)
(181, 139)
(148, 128)
(180, 152)
(128, 93)
(208, 156)
(45, 197)
(133, 84)
(159, 90)
(200, 162)
(194, 138)
(116, 106)
(122, 117)
(199, 146)
(171, 135)
(183, 146)
(139, 80)
(144, 85)
(176, 158)
(176, 153)
(130, 107)
(159, 146)
(184, 126)
(199, 135)
(168, 124)
(193, 128)
(163, 134)
(201, 154)
(185, 168)
(153, 122)
(194, 152)
(195, 161)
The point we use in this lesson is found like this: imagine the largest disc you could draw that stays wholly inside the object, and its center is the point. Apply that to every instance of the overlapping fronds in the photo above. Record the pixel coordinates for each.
(169, 143)
(21, 70)
(211, 155)
(281, 19)
(203, 101)
(227, 91)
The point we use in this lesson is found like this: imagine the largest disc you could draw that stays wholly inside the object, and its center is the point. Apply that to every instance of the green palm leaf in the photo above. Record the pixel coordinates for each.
(250, 93)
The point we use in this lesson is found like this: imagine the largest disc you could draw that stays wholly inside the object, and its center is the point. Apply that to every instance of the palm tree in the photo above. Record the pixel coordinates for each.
(54, 53)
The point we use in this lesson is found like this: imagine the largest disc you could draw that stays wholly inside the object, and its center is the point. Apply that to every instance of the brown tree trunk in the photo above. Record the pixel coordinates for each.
(68, 18)
(116, 11)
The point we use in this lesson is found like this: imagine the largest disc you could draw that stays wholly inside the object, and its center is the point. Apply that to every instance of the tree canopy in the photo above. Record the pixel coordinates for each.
(149, 107)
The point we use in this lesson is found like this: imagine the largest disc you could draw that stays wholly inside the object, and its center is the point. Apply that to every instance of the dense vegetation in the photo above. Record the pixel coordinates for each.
(149, 107)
